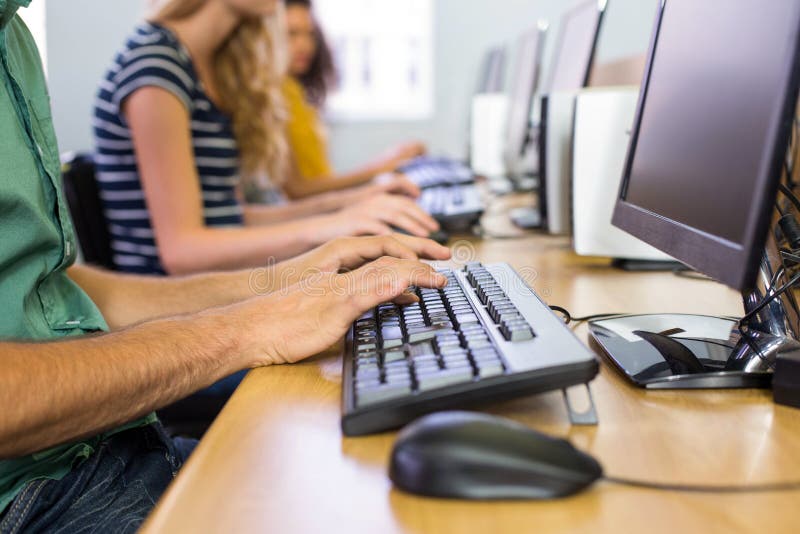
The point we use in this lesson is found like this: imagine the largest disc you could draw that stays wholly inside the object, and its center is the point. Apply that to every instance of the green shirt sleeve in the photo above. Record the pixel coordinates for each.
(39, 300)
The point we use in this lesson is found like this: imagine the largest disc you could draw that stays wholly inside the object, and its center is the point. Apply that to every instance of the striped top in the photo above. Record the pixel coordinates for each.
(153, 56)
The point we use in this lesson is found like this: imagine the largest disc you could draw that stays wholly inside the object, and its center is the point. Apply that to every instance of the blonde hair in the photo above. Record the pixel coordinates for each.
(248, 73)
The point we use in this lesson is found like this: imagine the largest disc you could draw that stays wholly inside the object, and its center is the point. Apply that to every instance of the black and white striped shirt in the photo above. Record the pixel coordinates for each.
(153, 56)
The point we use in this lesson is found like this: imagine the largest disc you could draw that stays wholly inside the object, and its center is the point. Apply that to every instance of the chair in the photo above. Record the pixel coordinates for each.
(83, 197)
(187, 417)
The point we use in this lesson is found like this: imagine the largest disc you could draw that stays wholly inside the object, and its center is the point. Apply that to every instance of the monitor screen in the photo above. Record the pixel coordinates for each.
(575, 47)
(492, 78)
(705, 156)
(526, 78)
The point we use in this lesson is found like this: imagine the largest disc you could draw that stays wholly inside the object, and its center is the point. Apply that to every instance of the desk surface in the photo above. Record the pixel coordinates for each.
(275, 459)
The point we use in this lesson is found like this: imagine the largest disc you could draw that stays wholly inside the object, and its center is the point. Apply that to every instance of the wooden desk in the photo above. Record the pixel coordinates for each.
(275, 460)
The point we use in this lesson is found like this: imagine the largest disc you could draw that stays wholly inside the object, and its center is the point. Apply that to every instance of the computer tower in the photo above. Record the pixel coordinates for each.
(555, 160)
(487, 135)
(603, 120)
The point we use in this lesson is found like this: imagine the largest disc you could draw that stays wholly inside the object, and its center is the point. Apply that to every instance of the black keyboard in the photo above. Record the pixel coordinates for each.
(486, 336)
(426, 171)
(457, 208)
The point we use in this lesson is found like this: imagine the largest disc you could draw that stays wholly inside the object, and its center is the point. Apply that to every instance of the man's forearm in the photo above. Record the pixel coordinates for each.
(129, 299)
(58, 392)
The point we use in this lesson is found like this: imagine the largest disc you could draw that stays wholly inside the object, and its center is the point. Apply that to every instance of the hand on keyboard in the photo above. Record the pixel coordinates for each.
(377, 214)
(396, 184)
(348, 253)
(294, 323)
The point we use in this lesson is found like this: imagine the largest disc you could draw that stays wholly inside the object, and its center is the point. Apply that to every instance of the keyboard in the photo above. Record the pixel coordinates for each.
(484, 337)
(457, 208)
(426, 171)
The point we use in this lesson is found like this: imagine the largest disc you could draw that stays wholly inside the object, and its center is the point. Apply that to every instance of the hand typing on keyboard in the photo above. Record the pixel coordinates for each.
(295, 321)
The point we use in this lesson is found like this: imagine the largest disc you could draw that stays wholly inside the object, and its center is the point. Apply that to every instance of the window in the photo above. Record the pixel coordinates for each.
(34, 17)
(384, 54)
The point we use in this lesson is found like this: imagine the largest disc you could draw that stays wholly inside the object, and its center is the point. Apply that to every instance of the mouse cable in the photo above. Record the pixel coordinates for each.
(568, 318)
(704, 488)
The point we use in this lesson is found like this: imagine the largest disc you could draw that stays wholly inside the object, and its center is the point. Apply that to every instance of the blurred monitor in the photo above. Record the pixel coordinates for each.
(493, 71)
(575, 47)
(526, 80)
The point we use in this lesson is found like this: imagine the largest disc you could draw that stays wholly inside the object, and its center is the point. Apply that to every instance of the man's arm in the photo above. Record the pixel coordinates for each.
(125, 299)
(57, 392)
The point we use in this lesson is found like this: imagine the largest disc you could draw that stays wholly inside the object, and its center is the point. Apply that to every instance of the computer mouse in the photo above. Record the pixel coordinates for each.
(440, 236)
(466, 455)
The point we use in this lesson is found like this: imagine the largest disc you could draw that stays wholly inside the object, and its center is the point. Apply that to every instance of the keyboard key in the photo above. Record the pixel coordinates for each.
(466, 318)
(416, 335)
(421, 349)
(517, 331)
(490, 370)
(368, 373)
(444, 378)
(380, 393)
(367, 383)
(391, 332)
(394, 356)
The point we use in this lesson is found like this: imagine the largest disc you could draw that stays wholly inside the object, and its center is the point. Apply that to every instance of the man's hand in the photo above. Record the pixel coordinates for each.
(307, 318)
(344, 254)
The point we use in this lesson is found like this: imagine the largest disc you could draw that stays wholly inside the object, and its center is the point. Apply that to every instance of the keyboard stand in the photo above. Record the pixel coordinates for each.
(585, 418)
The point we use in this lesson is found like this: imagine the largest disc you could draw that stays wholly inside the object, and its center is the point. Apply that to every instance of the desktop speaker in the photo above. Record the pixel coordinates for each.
(602, 128)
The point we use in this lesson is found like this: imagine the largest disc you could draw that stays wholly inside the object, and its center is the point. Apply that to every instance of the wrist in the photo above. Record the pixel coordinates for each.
(234, 342)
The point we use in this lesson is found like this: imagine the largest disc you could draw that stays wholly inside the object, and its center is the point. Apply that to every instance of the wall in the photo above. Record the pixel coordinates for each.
(83, 35)
(82, 38)
(464, 30)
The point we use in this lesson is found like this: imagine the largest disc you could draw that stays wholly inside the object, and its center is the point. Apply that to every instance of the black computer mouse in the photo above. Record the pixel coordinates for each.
(466, 455)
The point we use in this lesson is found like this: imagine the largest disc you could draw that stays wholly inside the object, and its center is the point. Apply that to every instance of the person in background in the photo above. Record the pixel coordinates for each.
(311, 76)
(87, 355)
(188, 114)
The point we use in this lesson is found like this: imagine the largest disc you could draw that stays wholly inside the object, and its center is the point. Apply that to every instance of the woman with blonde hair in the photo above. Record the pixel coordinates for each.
(187, 115)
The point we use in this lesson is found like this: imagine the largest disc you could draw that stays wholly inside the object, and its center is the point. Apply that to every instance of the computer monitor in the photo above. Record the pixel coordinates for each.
(575, 47)
(493, 71)
(519, 133)
(570, 69)
(705, 160)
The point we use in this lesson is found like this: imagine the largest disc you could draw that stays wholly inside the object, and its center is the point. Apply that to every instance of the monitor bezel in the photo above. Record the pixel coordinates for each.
(601, 6)
(730, 263)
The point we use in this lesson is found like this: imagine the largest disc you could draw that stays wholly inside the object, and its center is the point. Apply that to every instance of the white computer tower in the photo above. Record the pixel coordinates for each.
(602, 124)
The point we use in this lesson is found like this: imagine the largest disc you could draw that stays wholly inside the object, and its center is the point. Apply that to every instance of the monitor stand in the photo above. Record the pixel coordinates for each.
(527, 218)
(677, 351)
(632, 265)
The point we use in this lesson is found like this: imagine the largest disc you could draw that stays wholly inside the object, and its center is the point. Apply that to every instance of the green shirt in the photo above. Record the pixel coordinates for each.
(37, 244)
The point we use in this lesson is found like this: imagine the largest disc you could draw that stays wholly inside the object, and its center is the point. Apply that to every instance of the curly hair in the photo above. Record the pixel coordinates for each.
(322, 76)
(247, 76)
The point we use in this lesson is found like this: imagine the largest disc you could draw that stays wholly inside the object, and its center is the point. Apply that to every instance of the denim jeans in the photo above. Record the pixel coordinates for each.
(111, 491)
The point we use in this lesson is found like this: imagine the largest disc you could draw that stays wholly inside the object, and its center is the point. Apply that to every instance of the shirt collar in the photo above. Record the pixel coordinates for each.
(8, 8)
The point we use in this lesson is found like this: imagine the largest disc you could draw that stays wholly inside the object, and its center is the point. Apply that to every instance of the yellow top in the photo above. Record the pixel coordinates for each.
(305, 133)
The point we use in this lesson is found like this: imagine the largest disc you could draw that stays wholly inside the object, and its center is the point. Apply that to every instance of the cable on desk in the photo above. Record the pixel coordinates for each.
(568, 318)
(704, 488)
